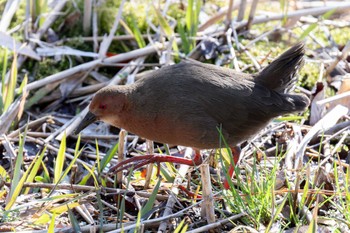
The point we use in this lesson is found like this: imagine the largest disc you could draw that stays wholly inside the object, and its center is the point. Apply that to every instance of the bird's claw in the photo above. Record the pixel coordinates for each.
(139, 161)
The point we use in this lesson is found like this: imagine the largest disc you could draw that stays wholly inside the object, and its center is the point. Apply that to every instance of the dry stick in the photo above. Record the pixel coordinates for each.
(95, 27)
(8, 117)
(292, 148)
(30, 125)
(333, 98)
(66, 125)
(150, 150)
(62, 75)
(217, 17)
(32, 137)
(106, 137)
(334, 131)
(241, 11)
(260, 37)
(50, 19)
(342, 56)
(252, 58)
(313, 4)
(161, 219)
(87, 16)
(132, 218)
(229, 14)
(38, 134)
(252, 14)
(86, 66)
(50, 147)
(95, 39)
(329, 120)
(299, 13)
(217, 224)
(11, 152)
(104, 46)
(65, 128)
(232, 50)
(84, 213)
(77, 92)
(9, 11)
(311, 20)
(175, 190)
(75, 187)
(208, 201)
(329, 154)
(121, 152)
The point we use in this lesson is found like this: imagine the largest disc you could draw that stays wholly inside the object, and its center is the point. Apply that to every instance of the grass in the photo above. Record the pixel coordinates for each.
(50, 184)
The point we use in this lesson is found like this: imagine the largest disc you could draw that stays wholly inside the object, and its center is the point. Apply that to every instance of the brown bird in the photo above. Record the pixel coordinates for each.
(186, 103)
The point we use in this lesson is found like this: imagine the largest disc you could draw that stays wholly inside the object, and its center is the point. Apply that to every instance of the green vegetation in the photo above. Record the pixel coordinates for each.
(50, 178)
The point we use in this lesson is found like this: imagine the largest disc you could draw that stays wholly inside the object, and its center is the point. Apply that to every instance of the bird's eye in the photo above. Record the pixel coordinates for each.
(102, 106)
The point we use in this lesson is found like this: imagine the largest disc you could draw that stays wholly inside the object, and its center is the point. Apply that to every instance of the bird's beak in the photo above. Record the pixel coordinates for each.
(88, 119)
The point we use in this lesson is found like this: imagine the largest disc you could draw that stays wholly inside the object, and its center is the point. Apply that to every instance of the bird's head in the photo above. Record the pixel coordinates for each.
(105, 106)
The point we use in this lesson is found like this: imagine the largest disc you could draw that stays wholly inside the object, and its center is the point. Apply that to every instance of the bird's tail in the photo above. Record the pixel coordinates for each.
(294, 103)
(280, 74)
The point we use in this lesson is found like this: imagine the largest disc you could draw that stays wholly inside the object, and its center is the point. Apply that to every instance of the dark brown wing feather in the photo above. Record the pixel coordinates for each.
(280, 75)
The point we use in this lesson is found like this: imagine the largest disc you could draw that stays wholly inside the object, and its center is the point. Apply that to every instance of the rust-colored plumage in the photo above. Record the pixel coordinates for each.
(184, 104)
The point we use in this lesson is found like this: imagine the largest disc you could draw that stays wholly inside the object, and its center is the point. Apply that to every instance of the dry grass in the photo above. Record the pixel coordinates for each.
(293, 176)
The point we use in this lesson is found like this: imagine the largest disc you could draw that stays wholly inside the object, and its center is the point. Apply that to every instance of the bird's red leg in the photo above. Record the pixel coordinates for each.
(139, 161)
(236, 151)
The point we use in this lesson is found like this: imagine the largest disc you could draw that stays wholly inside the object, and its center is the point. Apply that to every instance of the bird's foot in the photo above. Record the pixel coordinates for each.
(139, 161)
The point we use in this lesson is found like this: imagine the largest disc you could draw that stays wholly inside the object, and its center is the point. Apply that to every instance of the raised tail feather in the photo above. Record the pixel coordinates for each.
(296, 102)
(280, 74)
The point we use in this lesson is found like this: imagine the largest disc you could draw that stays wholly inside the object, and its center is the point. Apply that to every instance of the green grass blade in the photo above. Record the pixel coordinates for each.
(149, 205)
(192, 20)
(98, 157)
(85, 179)
(184, 40)
(100, 206)
(169, 32)
(284, 8)
(4, 68)
(33, 173)
(23, 84)
(276, 214)
(196, 12)
(17, 187)
(41, 8)
(74, 221)
(312, 26)
(51, 228)
(46, 174)
(189, 14)
(109, 156)
(138, 223)
(3, 86)
(17, 173)
(182, 227)
(77, 153)
(91, 171)
(60, 160)
(38, 95)
(137, 33)
(10, 87)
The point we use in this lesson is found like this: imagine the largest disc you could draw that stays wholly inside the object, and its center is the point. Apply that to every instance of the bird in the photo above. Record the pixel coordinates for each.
(192, 103)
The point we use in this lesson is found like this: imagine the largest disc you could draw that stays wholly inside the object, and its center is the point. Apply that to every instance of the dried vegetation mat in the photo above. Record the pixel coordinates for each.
(292, 177)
